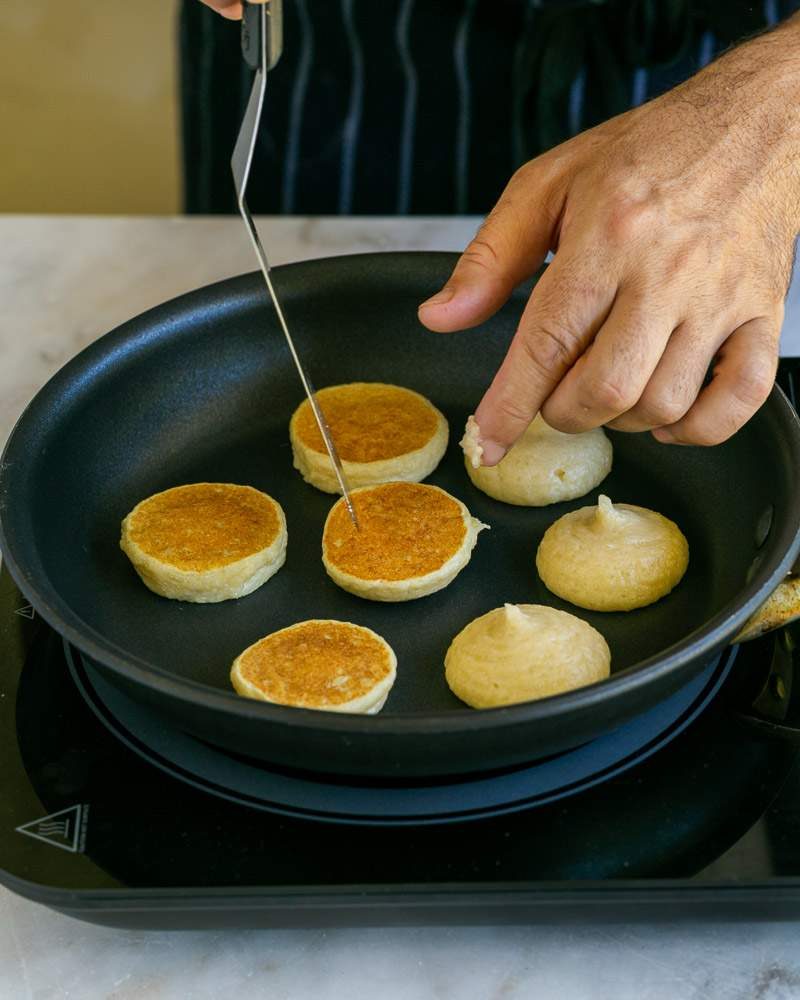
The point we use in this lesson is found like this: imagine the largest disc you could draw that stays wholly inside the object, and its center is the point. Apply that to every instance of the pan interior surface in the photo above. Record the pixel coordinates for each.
(202, 389)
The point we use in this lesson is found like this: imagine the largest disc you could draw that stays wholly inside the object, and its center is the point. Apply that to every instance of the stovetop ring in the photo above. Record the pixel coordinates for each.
(215, 771)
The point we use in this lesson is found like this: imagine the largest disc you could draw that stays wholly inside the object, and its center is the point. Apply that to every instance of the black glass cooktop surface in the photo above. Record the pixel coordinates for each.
(705, 820)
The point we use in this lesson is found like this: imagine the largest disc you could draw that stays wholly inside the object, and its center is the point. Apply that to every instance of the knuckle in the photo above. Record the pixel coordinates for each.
(562, 418)
(608, 393)
(559, 422)
(530, 172)
(753, 382)
(551, 348)
(662, 409)
(629, 220)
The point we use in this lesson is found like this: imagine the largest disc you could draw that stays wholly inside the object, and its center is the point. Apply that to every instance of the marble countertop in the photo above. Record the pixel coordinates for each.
(63, 282)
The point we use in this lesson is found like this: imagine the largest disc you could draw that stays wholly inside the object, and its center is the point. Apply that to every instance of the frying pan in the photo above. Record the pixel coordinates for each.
(202, 388)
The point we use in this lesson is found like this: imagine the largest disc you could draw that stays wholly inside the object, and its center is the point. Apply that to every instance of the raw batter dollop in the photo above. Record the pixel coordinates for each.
(521, 652)
(612, 557)
(543, 467)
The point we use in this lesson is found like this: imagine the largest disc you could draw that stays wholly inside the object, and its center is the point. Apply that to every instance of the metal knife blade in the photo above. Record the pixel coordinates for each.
(261, 48)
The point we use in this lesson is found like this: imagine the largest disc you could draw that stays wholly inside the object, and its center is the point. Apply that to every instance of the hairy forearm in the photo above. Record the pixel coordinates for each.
(749, 101)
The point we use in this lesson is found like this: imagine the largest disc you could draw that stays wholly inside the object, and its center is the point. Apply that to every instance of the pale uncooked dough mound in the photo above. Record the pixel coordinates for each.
(521, 652)
(544, 466)
(613, 557)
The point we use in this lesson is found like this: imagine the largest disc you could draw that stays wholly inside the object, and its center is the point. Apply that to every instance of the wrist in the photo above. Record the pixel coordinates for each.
(749, 101)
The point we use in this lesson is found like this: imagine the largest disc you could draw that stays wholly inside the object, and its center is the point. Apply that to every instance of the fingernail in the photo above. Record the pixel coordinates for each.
(439, 298)
(492, 452)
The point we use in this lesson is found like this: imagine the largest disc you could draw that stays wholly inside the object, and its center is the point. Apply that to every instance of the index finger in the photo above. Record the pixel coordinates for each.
(231, 9)
(566, 309)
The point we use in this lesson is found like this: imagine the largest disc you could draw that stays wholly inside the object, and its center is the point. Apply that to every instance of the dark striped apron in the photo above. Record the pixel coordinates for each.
(428, 106)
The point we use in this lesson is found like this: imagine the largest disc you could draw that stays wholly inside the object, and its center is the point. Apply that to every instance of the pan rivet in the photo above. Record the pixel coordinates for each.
(764, 525)
(778, 687)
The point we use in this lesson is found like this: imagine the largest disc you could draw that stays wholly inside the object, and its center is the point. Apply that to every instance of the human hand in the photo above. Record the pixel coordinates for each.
(231, 9)
(673, 227)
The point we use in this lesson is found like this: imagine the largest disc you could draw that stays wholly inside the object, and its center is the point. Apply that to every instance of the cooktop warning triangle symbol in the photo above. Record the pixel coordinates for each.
(64, 829)
(26, 611)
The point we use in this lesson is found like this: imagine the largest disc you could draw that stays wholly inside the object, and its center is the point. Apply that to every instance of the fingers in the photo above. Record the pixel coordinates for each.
(611, 376)
(512, 242)
(743, 378)
(228, 8)
(231, 9)
(678, 377)
(562, 316)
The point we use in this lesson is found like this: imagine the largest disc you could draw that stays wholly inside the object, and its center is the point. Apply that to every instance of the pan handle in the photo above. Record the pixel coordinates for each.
(768, 711)
(779, 609)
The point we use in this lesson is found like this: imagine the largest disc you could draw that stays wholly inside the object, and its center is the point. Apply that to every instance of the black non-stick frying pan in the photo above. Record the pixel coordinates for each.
(202, 388)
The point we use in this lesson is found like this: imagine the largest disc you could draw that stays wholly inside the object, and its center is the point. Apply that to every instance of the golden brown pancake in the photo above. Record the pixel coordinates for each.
(330, 665)
(205, 541)
(369, 421)
(412, 539)
(204, 525)
(382, 433)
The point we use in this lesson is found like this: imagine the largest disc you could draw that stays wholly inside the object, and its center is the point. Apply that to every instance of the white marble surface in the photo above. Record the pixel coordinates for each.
(64, 281)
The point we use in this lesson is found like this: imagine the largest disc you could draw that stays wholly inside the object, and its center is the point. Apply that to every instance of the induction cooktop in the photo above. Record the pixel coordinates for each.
(699, 819)
(691, 810)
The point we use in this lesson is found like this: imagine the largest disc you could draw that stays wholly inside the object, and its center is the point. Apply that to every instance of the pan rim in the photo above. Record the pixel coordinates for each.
(56, 612)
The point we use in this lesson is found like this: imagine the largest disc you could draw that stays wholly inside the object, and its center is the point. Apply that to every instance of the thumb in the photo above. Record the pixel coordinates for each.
(512, 242)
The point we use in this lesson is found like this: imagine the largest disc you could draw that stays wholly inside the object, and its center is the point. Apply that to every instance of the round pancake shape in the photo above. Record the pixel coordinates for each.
(329, 665)
(412, 540)
(205, 542)
(544, 466)
(383, 433)
(612, 557)
(522, 652)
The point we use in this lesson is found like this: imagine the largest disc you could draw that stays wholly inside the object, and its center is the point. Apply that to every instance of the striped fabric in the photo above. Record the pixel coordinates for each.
(428, 106)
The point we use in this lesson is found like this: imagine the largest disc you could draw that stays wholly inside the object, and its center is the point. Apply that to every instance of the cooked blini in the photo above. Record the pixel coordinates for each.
(383, 433)
(205, 542)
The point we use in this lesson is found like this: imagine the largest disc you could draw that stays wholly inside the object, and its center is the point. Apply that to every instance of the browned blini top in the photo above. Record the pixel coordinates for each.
(406, 530)
(316, 663)
(368, 421)
(204, 525)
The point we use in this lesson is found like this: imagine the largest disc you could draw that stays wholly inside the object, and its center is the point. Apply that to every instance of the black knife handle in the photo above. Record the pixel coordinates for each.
(252, 42)
(260, 19)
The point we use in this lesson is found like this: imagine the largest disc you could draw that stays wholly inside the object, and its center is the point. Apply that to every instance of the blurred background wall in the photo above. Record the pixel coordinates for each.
(94, 81)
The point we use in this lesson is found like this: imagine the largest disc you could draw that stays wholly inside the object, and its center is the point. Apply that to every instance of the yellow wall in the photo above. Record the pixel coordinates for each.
(88, 106)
